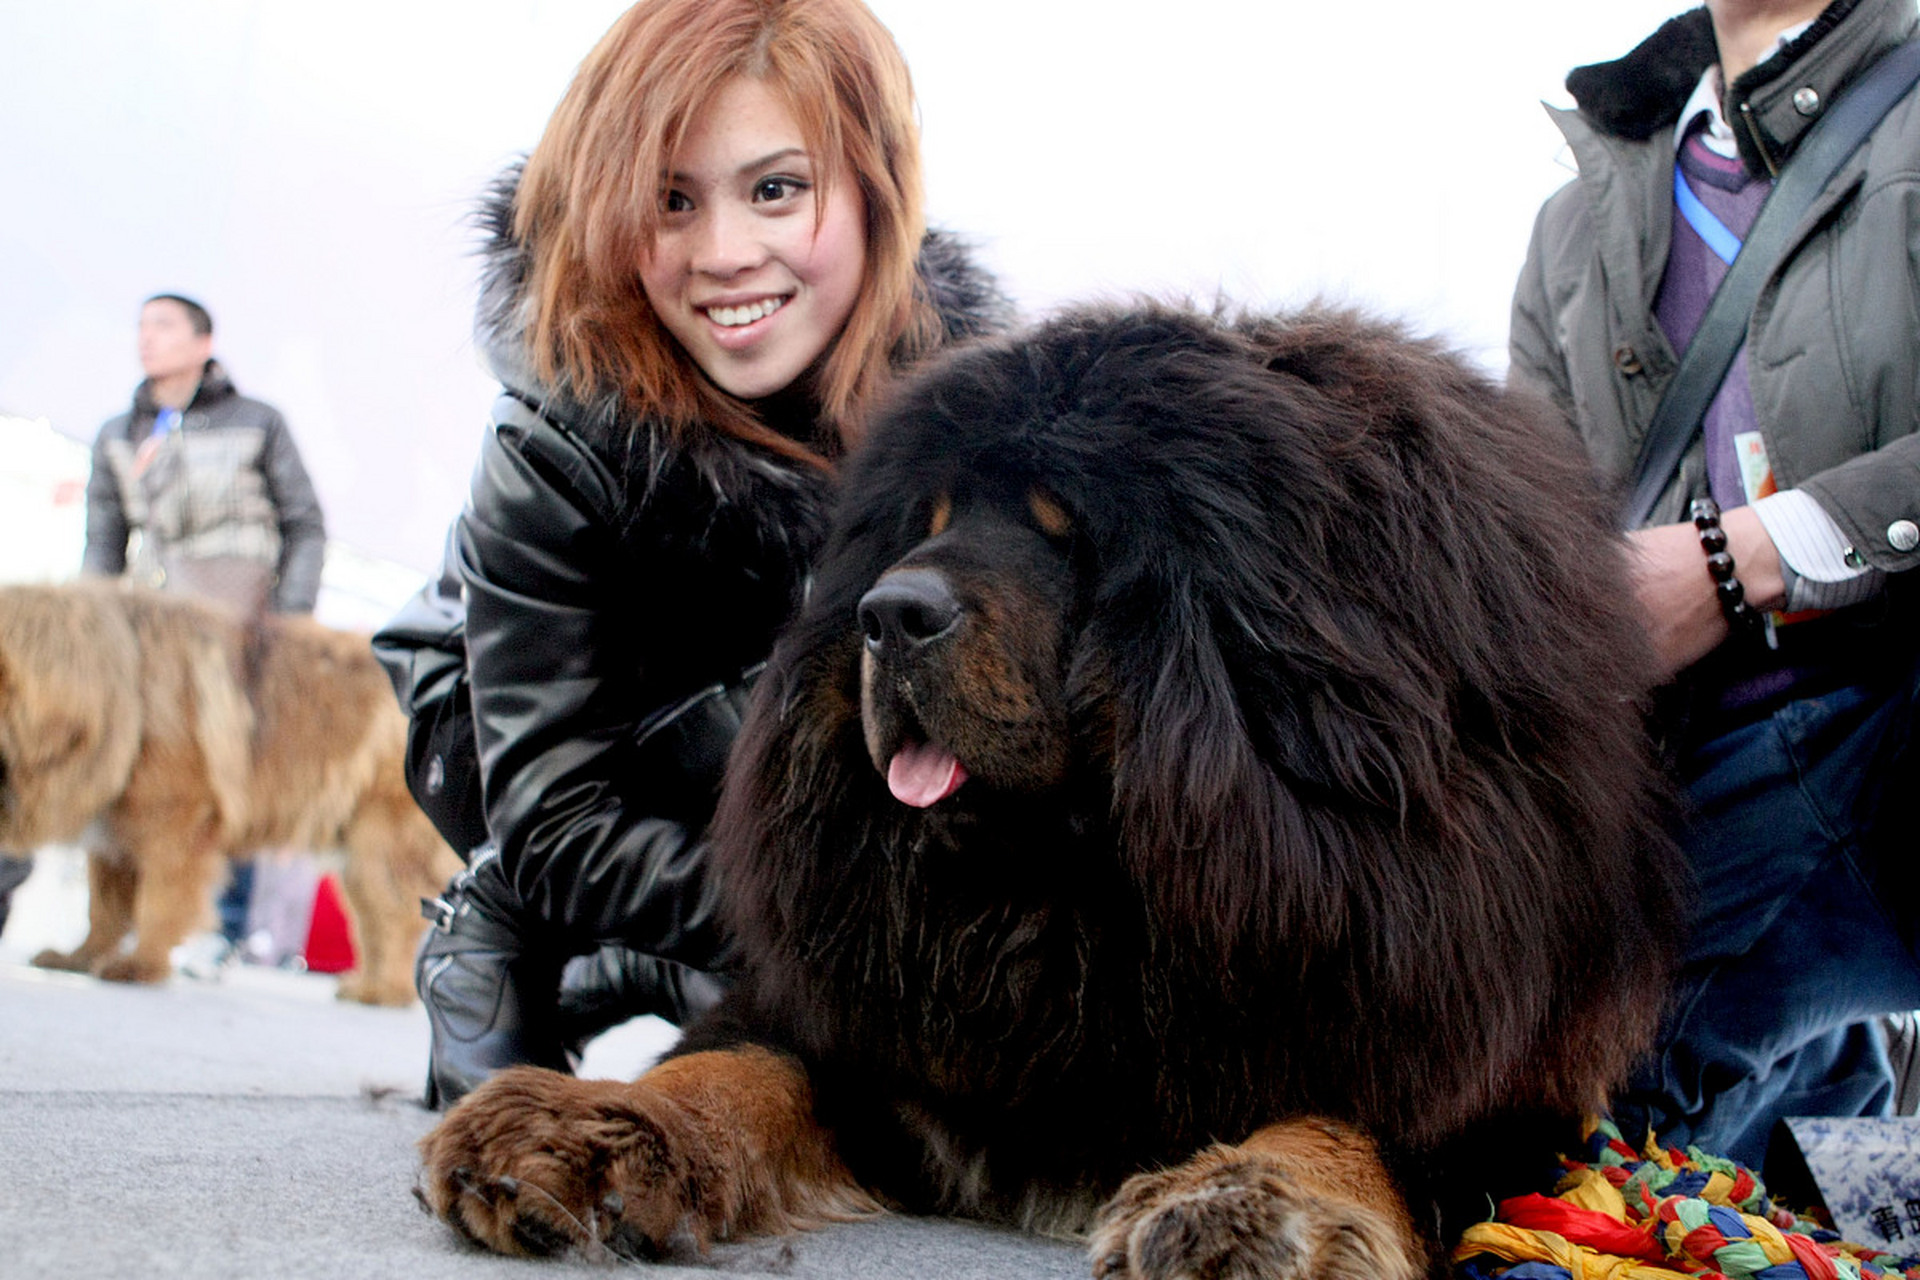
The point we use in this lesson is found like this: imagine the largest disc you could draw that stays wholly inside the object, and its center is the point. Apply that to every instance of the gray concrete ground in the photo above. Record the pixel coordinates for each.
(249, 1126)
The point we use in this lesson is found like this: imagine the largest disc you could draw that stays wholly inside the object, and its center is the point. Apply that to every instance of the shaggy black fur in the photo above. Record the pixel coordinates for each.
(1289, 662)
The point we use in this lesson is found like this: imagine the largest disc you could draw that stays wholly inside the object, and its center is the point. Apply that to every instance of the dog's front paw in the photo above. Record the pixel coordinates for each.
(363, 987)
(67, 961)
(131, 967)
(537, 1162)
(1238, 1217)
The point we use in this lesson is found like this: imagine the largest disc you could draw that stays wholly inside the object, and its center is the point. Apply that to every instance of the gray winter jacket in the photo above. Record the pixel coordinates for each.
(1834, 343)
(227, 485)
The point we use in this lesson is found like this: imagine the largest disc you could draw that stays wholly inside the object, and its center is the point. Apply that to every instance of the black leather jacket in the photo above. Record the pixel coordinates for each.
(615, 590)
(597, 596)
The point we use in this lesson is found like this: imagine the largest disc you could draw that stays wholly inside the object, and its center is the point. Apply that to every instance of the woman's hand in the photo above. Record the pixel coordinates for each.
(1677, 599)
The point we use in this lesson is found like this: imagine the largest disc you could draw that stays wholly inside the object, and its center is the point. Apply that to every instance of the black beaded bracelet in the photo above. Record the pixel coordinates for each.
(1713, 541)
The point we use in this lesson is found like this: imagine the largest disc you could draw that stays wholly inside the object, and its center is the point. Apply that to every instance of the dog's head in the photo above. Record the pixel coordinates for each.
(1024, 558)
(966, 641)
(70, 713)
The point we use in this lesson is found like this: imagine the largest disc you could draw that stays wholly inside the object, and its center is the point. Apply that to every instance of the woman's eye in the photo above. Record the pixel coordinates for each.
(675, 202)
(769, 190)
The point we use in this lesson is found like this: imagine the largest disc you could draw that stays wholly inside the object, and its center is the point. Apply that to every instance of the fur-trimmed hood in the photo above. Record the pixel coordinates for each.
(1637, 96)
(969, 302)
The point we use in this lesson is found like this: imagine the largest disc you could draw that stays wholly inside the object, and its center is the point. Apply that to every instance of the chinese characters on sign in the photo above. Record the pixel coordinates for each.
(1886, 1220)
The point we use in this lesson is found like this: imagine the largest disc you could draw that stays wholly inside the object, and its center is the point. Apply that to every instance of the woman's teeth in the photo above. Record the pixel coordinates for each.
(734, 317)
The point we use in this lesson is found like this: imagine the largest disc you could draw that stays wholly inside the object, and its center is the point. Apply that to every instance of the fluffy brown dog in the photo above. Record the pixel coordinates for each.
(1203, 805)
(164, 735)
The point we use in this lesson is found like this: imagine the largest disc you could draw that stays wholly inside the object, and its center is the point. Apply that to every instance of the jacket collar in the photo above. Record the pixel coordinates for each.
(1770, 107)
(214, 385)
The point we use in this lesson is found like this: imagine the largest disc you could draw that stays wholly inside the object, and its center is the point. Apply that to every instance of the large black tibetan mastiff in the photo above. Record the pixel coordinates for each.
(1204, 804)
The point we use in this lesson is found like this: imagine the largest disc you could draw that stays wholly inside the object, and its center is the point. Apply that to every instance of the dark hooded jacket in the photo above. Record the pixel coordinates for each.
(228, 484)
(1833, 363)
(607, 576)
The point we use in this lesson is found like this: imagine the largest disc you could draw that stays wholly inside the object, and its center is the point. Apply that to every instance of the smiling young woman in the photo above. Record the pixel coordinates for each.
(705, 272)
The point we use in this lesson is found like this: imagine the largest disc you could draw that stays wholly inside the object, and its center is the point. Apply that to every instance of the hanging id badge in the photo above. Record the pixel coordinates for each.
(1756, 473)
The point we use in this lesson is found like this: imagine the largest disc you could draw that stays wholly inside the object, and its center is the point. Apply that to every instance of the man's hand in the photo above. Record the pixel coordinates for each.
(1677, 595)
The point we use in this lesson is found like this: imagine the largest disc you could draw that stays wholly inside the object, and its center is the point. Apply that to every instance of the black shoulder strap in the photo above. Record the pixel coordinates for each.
(1828, 144)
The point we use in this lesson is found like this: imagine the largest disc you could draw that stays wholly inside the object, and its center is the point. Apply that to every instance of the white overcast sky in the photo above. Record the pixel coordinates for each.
(306, 170)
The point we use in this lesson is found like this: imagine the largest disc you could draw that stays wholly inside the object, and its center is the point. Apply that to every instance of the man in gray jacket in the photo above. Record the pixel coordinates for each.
(198, 487)
(1795, 691)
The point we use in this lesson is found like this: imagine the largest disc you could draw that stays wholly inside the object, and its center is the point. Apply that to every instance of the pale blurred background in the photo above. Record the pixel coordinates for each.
(307, 171)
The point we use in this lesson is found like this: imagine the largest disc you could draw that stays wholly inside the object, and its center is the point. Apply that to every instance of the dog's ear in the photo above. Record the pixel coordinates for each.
(1237, 731)
(1197, 807)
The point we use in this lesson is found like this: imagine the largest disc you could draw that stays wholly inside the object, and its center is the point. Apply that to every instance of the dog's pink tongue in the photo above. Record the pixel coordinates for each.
(924, 774)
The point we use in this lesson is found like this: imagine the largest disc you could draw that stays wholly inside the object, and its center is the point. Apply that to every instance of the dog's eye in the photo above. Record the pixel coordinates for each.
(1049, 514)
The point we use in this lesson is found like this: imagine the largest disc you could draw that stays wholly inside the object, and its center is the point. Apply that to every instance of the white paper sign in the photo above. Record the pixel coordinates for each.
(1868, 1173)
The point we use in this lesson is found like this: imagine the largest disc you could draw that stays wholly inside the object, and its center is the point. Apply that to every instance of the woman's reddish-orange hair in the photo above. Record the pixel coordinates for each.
(589, 201)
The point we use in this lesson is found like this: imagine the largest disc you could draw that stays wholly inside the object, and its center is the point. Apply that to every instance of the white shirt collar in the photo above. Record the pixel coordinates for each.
(1706, 97)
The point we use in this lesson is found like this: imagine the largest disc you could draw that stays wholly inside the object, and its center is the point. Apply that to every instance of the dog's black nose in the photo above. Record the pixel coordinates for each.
(907, 609)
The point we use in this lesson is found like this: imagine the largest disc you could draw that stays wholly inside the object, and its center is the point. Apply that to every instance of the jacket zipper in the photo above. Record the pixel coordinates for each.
(1759, 143)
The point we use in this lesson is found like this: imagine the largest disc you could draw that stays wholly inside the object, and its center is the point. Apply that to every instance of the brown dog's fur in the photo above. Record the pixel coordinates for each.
(1203, 806)
(164, 735)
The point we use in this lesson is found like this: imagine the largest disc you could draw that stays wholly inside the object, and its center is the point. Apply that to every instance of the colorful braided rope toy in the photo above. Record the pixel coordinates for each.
(1658, 1214)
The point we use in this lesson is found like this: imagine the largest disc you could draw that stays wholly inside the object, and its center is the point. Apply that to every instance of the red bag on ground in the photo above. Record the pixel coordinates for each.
(329, 942)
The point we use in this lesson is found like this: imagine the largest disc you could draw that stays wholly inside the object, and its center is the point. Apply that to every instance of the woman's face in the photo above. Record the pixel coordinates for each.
(752, 286)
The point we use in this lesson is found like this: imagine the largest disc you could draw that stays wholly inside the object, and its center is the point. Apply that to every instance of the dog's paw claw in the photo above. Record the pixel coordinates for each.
(540, 1238)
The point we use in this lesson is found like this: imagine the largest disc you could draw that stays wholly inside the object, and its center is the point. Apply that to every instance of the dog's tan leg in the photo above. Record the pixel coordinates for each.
(710, 1146)
(392, 860)
(1305, 1198)
(178, 868)
(110, 887)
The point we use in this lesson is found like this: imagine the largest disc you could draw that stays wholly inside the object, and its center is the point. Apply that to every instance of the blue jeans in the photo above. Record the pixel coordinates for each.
(1802, 840)
(234, 901)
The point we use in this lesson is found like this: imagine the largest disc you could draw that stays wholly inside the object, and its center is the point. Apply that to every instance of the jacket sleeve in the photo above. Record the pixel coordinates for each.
(303, 530)
(106, 549)
(424, 651)
(1871, 495)
(551, 652)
